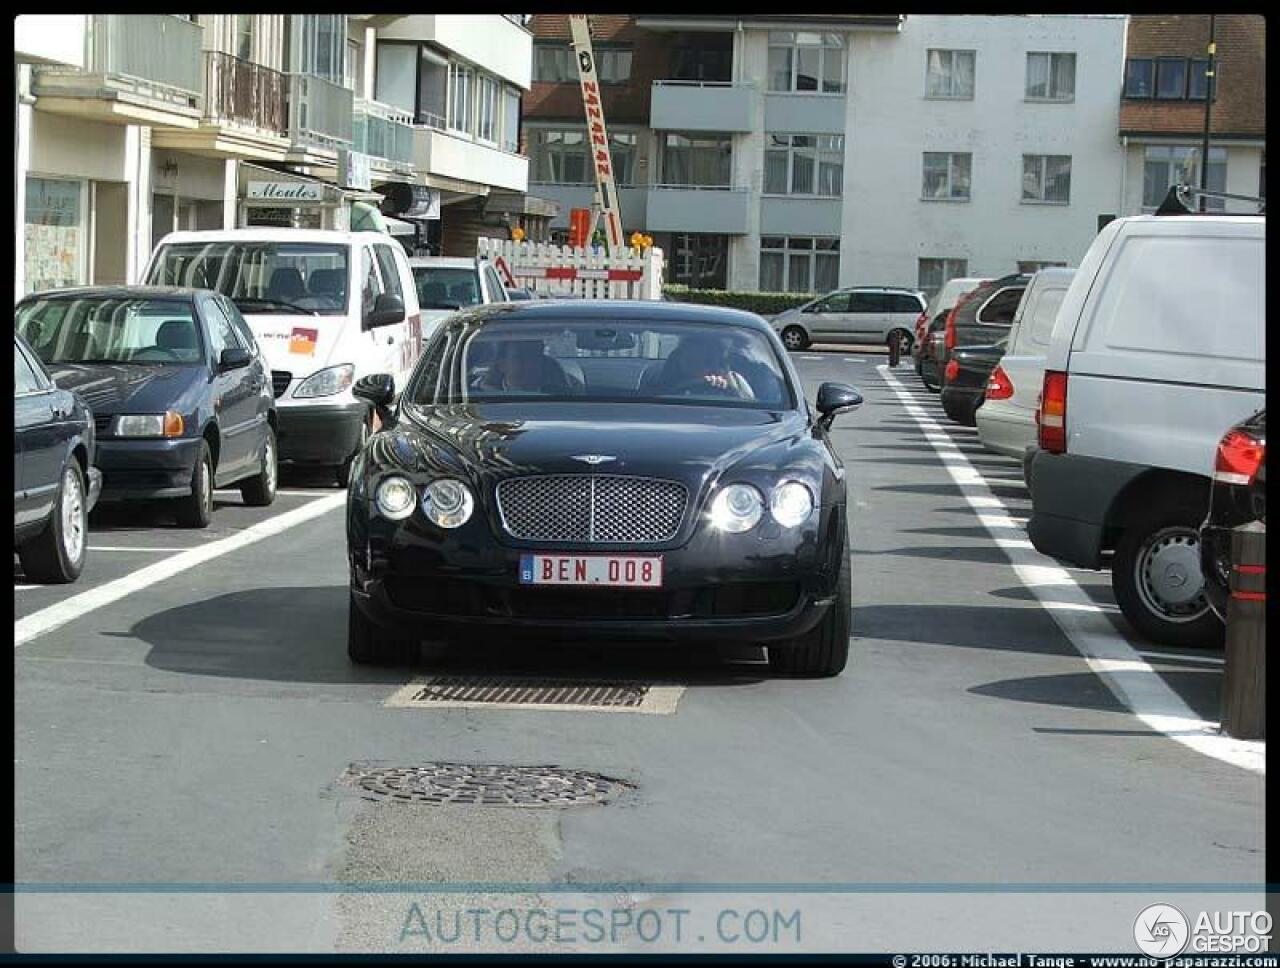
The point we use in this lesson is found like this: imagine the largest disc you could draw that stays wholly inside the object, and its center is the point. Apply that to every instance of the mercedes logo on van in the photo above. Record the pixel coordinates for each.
(594, 459)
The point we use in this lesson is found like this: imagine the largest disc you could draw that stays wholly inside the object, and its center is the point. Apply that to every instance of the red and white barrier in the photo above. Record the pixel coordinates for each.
(585, 273)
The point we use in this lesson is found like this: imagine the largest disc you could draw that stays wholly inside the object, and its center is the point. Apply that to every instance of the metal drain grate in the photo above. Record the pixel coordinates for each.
(486, 785)
(508, 691)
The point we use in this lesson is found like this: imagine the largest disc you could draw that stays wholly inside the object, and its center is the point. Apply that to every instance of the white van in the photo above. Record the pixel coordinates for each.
(326, 307)
(1007, 421)
(1158, 346)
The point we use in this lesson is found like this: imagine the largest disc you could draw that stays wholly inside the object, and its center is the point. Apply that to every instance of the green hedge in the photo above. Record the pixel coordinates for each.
(764, 303)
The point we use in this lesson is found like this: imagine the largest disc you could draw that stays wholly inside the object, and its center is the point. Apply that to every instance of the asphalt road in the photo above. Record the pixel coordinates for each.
(196, 729)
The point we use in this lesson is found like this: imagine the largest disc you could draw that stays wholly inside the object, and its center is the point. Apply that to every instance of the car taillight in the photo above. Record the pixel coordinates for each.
(999, 387)
(1052, 413)
(950, 339)
(952, 369)
(1239, 457)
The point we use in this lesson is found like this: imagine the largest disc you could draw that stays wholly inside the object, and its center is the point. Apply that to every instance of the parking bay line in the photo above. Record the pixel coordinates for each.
(1133, 681)
(47, 619)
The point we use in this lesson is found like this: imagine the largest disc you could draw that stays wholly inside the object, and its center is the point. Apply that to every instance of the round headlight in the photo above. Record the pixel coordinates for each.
(448, 503)
(791, 503)
(737, 508)
(395, 498)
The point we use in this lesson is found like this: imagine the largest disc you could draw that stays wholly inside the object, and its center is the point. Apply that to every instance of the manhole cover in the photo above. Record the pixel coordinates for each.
(493, 785)
(572, 694)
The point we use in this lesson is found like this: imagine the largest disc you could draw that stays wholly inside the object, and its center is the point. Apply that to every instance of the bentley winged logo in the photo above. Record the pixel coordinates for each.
(594, 459)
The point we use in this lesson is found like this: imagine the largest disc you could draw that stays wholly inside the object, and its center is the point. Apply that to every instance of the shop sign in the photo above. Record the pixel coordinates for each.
(284, 191)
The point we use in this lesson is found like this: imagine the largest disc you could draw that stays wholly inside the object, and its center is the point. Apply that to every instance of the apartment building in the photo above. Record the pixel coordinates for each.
(1164, 102)
(129, 126)
(804, 152)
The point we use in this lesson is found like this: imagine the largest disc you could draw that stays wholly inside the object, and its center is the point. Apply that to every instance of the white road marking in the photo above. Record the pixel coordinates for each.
(47, 619)
(25, 588)
(287, 493)
(1082, 621)
(1176, 657)
(853, 359)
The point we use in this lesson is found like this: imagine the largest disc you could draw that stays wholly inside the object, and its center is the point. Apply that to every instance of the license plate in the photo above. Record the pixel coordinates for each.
(625, 571)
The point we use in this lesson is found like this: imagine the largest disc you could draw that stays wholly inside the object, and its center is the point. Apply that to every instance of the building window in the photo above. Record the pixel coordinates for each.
(319, 45)
(700, 261)
(613, 65)
(244, 36)
(351, 78)
(54, 249)
(1139, 77)
(461, 80)
(555, 64)
(1046, 178)
(1030, 266)
(804, 164)
(933, 274)
(1198, 78)
(552, 63)
(561, 156)
(949, 73)
(510, 119)
(802, 61)
(790, 264)
(1051, 77)
(1167, 165)
(946, 175)
(689, 63)
(1171, 78)
(487, 109)
(696, 160)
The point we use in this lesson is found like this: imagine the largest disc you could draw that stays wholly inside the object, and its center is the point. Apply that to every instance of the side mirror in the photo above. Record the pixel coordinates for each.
(388, 309)
(379, 389)
(834, 398)
(233, 358)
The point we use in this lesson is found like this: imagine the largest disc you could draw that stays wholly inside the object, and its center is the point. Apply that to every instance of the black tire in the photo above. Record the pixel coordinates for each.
(259, 491)
(1159, 545)
(960, 410)
(196, 509)
(343, 472)
(56, 555)
(823, 651)
(794, 338)
(929, 376)
(368, 644)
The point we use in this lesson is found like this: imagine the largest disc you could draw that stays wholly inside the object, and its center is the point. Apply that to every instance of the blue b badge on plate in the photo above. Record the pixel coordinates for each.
(526, 568)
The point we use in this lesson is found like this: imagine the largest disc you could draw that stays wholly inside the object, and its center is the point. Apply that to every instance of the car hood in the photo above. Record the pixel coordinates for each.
(692, 444)
(110, 388)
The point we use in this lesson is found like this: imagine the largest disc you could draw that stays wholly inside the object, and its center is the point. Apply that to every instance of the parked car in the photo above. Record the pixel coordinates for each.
(701, 500)
(1159, 344)
(181, 395)
(928, 367)
(446, 284)
(326, 307)
(1006, 421)
(861, 314)
(1238, 495)
(943, 302)
(55, 484)
(965, 386)
(983, 316)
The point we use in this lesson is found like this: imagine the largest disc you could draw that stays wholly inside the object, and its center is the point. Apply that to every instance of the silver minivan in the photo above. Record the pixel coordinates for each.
(859, 314)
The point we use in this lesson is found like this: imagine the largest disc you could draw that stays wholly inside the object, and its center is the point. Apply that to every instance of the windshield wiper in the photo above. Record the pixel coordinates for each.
(240, 301)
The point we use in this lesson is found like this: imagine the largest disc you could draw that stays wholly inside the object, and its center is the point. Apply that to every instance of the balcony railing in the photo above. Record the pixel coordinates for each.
(320, 112)
(155, 55)
(383, 132)
(245, 93)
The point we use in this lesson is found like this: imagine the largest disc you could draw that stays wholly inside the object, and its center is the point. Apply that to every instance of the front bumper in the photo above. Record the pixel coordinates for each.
(320, 433)
(141, 469)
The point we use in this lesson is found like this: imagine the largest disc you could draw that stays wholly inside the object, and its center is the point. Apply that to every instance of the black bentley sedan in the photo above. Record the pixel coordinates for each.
(181, 395)
(624, 469)
(55, 483)
(1237, 496)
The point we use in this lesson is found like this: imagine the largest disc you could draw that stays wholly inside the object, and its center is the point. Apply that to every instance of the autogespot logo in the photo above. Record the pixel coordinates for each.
(1161, 931)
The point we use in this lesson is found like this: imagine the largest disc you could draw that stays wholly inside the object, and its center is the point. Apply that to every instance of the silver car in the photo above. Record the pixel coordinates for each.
(859, 314)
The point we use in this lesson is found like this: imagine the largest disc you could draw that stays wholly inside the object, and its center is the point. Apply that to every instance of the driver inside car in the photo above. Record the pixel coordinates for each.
(700, 364)
(522, 367)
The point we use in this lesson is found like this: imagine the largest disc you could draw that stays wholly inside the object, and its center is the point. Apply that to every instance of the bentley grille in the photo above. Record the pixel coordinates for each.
(607, 509)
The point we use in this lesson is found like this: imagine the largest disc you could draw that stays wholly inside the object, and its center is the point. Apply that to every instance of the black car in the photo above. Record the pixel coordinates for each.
(965, 384)
(181, 396)
(1237, 496)
(633, 470)
(55, 484)
(982, 317)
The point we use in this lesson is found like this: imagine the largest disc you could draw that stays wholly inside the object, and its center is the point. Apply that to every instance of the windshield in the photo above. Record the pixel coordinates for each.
(102, 330)
(261, 277)
(440, 287)
(631, 361)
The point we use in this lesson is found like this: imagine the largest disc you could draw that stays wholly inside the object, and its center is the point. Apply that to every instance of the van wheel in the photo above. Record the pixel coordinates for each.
(795, 338)
(1157, 579)
(367, 644)
(929, 376)
(196, 509)
(344, 469)
(824, 651)
(56, 555)
(260, 490)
